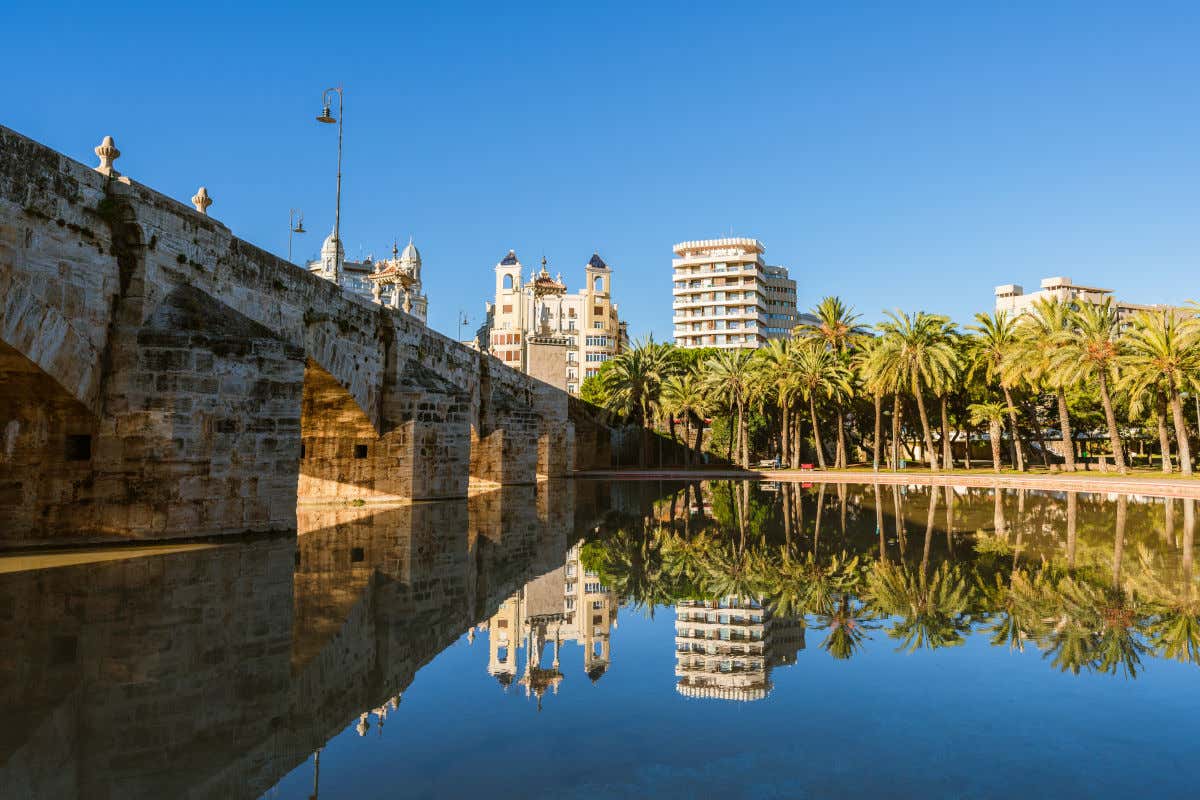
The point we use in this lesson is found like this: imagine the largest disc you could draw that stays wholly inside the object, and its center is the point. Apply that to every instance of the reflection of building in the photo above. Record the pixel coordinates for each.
(566, 604)
(725, 295)
(540, 306)
(394, 282)
(725, 648)
(1012, 298)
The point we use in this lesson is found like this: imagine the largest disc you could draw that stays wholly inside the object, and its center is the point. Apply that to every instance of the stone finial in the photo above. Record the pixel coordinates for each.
(202, 201)
(108, 153)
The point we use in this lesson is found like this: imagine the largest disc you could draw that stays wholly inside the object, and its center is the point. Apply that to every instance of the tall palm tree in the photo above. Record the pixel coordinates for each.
(729, 378)
(918, 345)
(993, 414)
(1088, 351)
(1163, 348)
(1039, 334)
(685, 395)
(774, 362)
(819, 372)
(863, 366)
(633, 383)
(836, 327)
(995, 337)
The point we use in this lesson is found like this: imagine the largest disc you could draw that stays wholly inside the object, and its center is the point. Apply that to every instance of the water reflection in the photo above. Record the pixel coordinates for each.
(1096, 583)
(217, 671)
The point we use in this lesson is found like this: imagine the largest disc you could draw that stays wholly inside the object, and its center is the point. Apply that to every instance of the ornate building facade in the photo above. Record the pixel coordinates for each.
(394, 282)
(539, 306)
(568, 604)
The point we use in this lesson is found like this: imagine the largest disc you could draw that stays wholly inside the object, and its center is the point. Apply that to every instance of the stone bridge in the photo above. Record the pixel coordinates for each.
(160, 378)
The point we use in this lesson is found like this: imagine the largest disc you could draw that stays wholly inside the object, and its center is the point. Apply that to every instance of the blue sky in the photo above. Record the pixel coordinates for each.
(898, 154)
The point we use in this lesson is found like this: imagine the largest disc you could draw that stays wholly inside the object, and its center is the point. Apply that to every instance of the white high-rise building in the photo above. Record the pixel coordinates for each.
(727, 296)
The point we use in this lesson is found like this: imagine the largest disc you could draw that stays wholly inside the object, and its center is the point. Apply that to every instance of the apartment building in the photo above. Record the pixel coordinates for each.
(726, 295)
(539, 306)
(725, 649)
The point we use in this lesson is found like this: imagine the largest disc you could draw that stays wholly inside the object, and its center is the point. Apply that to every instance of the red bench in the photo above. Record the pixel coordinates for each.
(807, 467)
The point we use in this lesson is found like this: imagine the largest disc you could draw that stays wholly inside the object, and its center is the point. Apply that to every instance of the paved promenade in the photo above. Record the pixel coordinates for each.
(1143, 483)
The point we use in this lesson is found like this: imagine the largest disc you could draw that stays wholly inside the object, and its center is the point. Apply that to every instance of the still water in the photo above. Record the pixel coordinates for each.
(626, 639)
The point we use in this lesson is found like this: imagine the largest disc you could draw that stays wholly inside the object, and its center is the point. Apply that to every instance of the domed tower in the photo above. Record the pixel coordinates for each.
(333, 256)
(410, 263)
(599, 275)
(508, 274)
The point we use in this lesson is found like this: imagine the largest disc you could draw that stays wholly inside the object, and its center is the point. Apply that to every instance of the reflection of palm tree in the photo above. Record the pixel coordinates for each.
(847, 623)
(930, 608)
(633, 568)
(1098, 627)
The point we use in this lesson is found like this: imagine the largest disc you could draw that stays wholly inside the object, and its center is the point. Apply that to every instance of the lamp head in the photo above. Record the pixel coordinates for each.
(326, 117)
(299, 228)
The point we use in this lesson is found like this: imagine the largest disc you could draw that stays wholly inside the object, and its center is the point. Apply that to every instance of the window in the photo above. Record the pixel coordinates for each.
(360, 451)
(593, 588)
(506, 309)
(598, 311)
(598, 619)
(597, 604)
(598, 284)
(79, 447)
(508, 282)
(356, 554)
(598, 325)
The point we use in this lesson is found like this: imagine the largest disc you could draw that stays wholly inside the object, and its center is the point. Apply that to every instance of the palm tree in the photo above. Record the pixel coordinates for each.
(918, 345)
(774, 362)
(995, 337)
(1039, 334)
(875, 384)
(685, 395)
(1090, 351)
(1162, 348)
(729, 377)
(993, 414)
(836, 327)
(931, 608)
(633, 382)
(819, 371)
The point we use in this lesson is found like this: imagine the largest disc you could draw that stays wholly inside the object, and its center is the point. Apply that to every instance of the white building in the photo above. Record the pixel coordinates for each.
(1012, 298)
(394, 282)
(725, 295)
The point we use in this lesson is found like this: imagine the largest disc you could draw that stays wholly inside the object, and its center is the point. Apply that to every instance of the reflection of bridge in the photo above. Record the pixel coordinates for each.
(163, 378)
(217, 671)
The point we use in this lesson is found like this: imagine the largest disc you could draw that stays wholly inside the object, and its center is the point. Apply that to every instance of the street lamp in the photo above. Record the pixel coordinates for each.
(294, 226)
(329, 119)
(463, 319)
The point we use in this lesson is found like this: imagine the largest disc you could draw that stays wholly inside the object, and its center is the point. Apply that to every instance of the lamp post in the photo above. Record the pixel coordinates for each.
(463, 319)
(329, 119)
(294, 226)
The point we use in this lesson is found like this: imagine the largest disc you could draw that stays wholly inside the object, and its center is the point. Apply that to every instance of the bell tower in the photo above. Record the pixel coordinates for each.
(508, 275)
(599, 276)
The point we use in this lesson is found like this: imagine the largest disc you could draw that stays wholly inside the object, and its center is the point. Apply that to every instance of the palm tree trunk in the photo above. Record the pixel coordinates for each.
(933, 501)
(1164, 438)
(1119, 540)
(1018, 447)
(687, 439)
(1064, 423)
(947, 449)
(797, 439)
(896, 431)
(1114, 435)
(879, 525)
(812, 410)
(994, 434)
(733, 434)
(933, 459)
(877, 443)
(841, 439)
(785, 441)
(1181, 434)
(1072, 527)
(744, 438)
(1037, 428)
